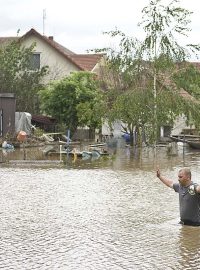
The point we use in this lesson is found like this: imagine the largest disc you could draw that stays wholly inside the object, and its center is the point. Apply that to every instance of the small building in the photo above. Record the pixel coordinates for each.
(48, 124)
(7, 114)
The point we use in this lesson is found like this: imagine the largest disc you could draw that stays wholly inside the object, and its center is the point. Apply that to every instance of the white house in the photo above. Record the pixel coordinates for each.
(61, 61)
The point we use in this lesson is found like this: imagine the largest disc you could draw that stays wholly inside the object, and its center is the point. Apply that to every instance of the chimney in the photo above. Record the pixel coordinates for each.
(51, 37)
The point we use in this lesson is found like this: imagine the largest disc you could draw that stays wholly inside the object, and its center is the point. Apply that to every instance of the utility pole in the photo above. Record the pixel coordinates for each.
(44, 18)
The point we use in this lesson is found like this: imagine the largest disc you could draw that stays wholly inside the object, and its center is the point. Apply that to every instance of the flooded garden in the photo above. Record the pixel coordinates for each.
(106, 213)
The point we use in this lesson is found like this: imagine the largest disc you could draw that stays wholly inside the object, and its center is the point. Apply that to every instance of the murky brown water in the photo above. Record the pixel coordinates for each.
(109, 213)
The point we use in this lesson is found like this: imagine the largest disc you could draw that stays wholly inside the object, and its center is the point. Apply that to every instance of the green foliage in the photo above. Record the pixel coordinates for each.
(16, 76)
(139, 80)
(162, 25)
(75, 100)
(188, 78)
(38, 132)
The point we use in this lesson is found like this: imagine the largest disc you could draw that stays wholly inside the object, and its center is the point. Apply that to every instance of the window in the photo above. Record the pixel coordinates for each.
(167, 131)
(35, 61)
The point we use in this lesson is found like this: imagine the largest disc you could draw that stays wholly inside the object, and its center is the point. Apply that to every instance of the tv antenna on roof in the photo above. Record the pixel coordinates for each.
(44, 18)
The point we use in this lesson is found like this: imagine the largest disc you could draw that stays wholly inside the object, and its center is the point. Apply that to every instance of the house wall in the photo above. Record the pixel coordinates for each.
(59, 66)
(180, 126)
(114, 131)
(100, 65)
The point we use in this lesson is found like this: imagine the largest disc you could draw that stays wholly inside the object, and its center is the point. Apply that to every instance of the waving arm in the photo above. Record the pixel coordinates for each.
(166, 181)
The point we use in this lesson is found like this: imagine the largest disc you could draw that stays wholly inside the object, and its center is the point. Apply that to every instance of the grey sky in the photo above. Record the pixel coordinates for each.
(78, 24)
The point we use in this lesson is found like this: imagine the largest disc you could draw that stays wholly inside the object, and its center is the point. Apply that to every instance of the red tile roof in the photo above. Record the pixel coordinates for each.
(196, 64)
(183, 93)
(85, 62)
(5, 40)
(187, 96)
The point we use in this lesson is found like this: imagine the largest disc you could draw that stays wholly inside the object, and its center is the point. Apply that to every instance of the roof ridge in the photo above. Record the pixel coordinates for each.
(84, 61)
(51, 43)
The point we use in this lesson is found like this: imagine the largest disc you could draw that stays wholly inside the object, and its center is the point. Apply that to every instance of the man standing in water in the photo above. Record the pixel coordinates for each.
(189, 196)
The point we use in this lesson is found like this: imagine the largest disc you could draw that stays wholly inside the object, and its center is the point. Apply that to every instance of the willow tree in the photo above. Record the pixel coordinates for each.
(124, 82)
(189, 78)
(139, 79)
(162, 25)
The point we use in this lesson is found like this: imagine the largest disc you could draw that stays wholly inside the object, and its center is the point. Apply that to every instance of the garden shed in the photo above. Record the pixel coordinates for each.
(7, 114)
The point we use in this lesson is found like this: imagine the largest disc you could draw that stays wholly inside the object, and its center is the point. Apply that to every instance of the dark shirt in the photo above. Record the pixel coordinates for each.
(189, 203)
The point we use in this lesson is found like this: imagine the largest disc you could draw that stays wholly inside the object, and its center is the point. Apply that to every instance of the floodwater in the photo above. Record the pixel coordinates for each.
(111, 213)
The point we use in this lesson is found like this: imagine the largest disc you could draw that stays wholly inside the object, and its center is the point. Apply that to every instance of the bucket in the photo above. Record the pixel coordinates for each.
(21, 136)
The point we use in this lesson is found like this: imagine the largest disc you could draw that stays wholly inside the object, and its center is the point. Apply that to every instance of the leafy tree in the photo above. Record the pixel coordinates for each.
(17, 77)
(145, 92)
(161, 24)
(189, 78)
(75, 100)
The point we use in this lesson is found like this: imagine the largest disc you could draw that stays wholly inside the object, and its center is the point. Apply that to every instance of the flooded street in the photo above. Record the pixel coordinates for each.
(111, 213)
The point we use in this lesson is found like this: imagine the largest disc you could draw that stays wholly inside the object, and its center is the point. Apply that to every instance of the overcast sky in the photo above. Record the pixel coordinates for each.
(79, 24)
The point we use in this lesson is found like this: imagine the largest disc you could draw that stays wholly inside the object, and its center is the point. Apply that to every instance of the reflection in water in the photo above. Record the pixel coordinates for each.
(108, 213)
(189, 245)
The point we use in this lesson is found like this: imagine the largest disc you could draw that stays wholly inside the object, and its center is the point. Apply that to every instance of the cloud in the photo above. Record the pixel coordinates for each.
(78, 25)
